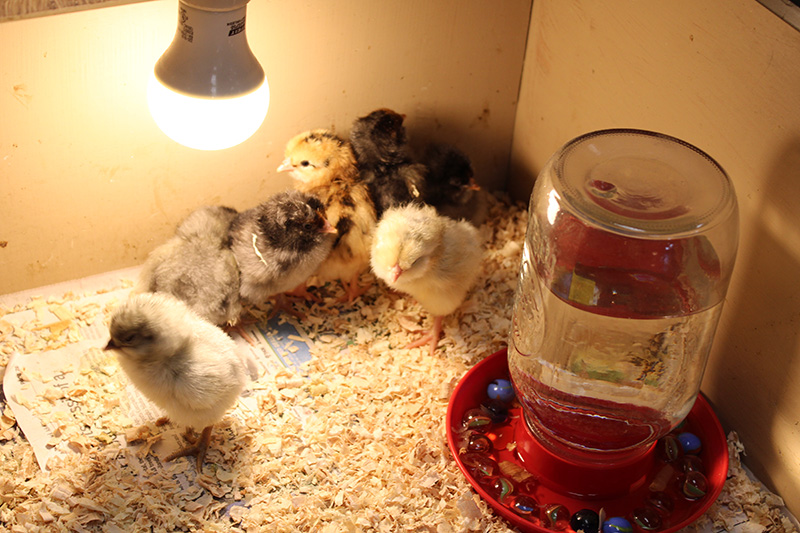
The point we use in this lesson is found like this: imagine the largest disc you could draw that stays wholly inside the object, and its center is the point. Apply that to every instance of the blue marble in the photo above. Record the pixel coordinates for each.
(500, 389)
(690, 442)
(617, 524)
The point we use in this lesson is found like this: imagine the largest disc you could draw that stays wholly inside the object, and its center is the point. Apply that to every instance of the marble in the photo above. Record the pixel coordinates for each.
(497, 410)
(690, 442)
(476, 419)
(617, 524)
(525, 505)
(662, 502)
(647, 518)
(500, 389)
(695, 486)
(585, 520)
(670, 448)
(479, 443)
(555, 516)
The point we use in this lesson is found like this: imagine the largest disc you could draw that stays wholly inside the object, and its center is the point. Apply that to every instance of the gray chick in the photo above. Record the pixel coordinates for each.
(180, 361)
(384, 160)
(197, 266)
(450, 187)
(279, 244)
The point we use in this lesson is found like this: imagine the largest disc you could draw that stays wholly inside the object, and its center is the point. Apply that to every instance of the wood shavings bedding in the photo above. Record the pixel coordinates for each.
(355, 442)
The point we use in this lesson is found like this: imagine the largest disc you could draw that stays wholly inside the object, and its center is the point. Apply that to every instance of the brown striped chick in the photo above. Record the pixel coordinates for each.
(432, 257)
(322, 164)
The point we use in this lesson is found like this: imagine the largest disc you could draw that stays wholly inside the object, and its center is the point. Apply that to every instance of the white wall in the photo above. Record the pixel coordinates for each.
(89, 184)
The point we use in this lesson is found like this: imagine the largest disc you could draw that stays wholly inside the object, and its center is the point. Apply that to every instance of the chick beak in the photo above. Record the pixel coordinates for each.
(395, 272)
(326, 226)
(111, 345)
(472, 186)
(286, 165)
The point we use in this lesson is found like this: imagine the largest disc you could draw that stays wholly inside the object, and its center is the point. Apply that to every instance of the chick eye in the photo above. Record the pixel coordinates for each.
(307, 226)
(127, 339)
(304, 163)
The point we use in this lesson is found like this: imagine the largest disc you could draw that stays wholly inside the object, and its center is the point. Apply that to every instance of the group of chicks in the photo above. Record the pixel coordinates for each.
(357, 205)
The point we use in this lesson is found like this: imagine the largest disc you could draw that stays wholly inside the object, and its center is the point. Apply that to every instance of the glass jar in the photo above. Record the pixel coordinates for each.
(630, 245)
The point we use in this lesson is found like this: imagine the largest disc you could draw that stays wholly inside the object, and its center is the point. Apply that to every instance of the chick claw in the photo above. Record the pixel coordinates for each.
(197, 447)
(282, 304)
(238, 328)
(302, 292)
(431, 338)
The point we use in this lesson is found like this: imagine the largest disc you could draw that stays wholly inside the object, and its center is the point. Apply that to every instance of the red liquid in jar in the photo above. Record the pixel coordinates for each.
(587, 427)
(610, 337)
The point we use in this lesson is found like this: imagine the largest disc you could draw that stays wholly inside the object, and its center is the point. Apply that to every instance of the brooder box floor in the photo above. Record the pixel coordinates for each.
(351, 440)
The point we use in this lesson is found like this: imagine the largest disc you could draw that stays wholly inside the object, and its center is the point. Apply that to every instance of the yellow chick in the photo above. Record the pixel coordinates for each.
(433, 258)
(324, 165)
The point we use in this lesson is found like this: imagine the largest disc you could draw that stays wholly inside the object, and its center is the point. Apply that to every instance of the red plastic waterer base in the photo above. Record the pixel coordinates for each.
(550, 481)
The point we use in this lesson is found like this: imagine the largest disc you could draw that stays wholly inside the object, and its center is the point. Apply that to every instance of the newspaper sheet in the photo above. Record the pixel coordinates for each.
(41, 388)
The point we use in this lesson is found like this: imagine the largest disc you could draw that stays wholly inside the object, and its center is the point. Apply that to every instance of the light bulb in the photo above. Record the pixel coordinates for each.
(207, 90)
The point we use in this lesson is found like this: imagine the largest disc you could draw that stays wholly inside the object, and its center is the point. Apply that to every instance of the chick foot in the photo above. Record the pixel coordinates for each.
(196, 447)
(238, 328)
(352, 290)
(431, 338)
(301, 291)
(283, 303)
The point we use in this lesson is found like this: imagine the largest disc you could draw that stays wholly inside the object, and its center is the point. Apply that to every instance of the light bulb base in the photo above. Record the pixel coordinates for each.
(209, 56)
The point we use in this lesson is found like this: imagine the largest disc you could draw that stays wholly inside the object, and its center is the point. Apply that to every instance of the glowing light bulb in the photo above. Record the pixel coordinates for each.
(207, 123)
(207, 90)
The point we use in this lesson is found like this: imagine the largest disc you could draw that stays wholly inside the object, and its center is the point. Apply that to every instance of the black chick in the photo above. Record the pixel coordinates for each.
(279, 244)
(384, 160)
(450, 187)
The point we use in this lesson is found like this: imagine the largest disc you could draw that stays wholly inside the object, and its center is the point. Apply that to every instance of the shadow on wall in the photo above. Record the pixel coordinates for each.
(758, 356)
(522, 175)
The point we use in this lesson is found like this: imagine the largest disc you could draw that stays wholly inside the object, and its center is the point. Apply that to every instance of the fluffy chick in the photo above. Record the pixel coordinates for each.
(181, 362)
(323, 165)
(384, 160)
(279, 244)
(450, 186)
(433, 258)
(197, 266)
